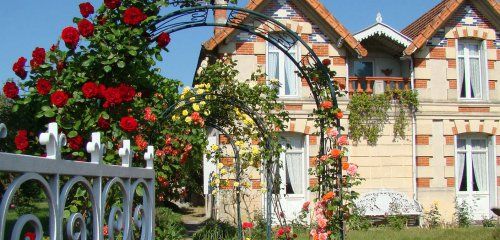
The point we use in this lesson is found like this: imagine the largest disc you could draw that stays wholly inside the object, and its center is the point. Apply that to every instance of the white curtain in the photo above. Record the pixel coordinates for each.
(461, 77)
(273, 65)
(480, 167)
(475, 78)
(461, 170)
(290, 77)
(294, 171)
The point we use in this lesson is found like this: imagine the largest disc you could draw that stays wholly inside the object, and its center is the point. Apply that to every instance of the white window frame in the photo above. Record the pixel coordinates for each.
(482, 73)
(295, 52)
(304, 167)
(469, 169)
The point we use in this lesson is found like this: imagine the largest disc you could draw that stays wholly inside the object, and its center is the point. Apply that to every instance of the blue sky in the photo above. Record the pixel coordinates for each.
(27, 24)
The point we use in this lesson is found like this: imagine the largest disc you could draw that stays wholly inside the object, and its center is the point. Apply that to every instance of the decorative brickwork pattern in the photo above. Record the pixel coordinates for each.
(420, 62)
(245, 48)
(492, 84)
(321, 50)
(421, 83)
(424, 182)
(438, 53)
(293, 107)
(452, 83)
(423, 161)
(423, 139)
(450, 161)
(449, 139)
(450, 182)
(313, 140)
(473, 109)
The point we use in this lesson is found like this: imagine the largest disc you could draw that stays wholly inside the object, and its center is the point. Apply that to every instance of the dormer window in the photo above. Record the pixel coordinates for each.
(471, 72)
(282, 68)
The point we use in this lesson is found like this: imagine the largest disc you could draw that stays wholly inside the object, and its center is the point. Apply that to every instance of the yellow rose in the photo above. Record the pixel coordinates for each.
(186, 90)
(185, 112)
(255, 150)
(214, 147)
(192, 99)
(220, 165)
(207, 112)
(175, 118)
(239, 143)
(236, 184)
(188, 119)
(203, 103)
(196, 107)
(214, 191)
(200, 91)
(223, 171)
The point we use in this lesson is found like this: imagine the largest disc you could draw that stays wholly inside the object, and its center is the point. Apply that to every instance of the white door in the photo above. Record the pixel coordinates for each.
(472, 183)
(293, 173)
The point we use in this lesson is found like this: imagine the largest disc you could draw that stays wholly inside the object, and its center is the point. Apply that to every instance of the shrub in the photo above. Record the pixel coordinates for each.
(433, 216)
(215, 230)
(463, 214)
(397, 222)
(358, 222)
(168, 225)
(488, 222)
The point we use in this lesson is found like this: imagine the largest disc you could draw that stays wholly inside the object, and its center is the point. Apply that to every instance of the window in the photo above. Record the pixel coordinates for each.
(472, 164)
(280, 67)
(470, 70)
(294, 169)
(363, 69)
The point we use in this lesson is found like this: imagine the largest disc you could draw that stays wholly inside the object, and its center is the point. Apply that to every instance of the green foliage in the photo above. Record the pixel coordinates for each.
(369, 113)
(489, 222)
(169, 225)
(463, 214)
(433, 216)
(397, 222)
(357, 221)
(215, 230)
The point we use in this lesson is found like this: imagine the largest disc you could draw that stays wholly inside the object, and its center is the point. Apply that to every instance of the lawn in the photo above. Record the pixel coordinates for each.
(476, 233)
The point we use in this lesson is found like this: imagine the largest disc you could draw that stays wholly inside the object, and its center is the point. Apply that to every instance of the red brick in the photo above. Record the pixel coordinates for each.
(338, 61)
(491, 64)
(492, 84)
(292, 127)
(307, 129)
(423, 139)
(261, 59)
(452, 63)
(423, 182)
(449, 139)
(438, 53)
(304, 82)
(498, 181)
(246, 48)
(321, 50)
(473, 109)
(256, 184)
(293, 107)
(450, 161)
(497, 140)
(450, 42)
(490, 44)
(305, 37)
(455, 130)
(313, 161)
(227, 161)
(227, 184)
(421, 83)
(423, 161)
(450, 182)
(498, 160)
(313, 140)
(467, 127)
(313, 182)
(452, 83)
(420, 62)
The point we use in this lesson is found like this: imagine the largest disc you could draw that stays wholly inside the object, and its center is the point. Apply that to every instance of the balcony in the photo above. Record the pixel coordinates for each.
(377, 85)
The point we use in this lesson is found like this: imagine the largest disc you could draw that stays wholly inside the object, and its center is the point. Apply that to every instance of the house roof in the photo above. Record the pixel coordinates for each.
(422, 29)
(382, 29)
(317, 6)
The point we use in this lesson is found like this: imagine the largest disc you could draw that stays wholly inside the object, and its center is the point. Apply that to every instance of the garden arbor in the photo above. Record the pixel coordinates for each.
(310, 67)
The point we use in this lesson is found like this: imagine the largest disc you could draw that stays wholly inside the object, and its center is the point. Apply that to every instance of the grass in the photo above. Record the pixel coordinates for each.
(476, 233)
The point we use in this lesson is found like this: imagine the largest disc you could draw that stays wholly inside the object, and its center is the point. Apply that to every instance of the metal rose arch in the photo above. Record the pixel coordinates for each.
(310, 68)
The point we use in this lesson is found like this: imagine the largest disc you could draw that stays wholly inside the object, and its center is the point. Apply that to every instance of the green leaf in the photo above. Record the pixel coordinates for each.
(158, 57)
(107, 69)
(49, 113)
(72, 134)
(67, 213)
(121, 64)
(132, 52)
(73, 209)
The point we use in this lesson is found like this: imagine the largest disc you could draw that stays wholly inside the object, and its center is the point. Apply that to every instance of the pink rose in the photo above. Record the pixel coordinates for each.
(352, 170)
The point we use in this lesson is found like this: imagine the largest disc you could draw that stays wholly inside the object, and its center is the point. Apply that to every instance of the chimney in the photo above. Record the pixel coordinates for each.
(220, 15)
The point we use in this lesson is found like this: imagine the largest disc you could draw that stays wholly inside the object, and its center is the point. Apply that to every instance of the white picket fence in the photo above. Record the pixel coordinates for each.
(52, 174)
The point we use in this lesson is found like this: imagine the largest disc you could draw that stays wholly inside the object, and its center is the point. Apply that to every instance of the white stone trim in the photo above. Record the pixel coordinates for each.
(385, 30)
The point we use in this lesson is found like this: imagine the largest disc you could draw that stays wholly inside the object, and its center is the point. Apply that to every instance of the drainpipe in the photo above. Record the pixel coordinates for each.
(413, 130)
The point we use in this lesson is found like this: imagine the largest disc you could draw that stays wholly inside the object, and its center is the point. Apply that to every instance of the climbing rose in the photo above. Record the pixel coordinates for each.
(342, 141)
(335, 153)
(163, 40)
(105, 230)
(326, 104)
(332, 132)
(90, 90)
(345, 165)
(112, 96)
(30, 236)
(103, 123)
(86, 28)
(133, 16)
(59, 98)
(21, 140)
(112, 4)
(128, 124)
(305, 206)
(140, 142)
(327, 62)
(18, 68)
(247, 225)
(86, 9)
(70, 36)
(149, 115)
(11, 90)
(127, 92)
(328, 196)
(340, 115)
(75, 143)
(43, 86)
(352, 170)
(38, 57)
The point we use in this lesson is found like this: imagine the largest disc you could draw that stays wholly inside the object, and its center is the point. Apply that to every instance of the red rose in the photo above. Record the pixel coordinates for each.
(86, 28)
(53, 48)
(128, 124)
(30, 235)
(112, 4)
(75, 143)
(101, 20)
(18, 68)
(335, 153)
(133, 16)
(34, 65)
(11, 90)
(21, 140)
(60, 66)
(340, 115)
(112, 96)
(59, 98)
(43, 86)
(70, 36)
(103, 123)
(90, 90)
(127, 92)
(163, 40)
(327, 104)
(327, 62)
(86, 9)
(38, 56)
(247, 225)
(102, 90)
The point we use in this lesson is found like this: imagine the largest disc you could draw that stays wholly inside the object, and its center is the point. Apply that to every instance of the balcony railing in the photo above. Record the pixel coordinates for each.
(377, 85)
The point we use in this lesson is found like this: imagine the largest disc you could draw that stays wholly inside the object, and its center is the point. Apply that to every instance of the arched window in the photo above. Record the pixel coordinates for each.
(281, 68)
(472, 83)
